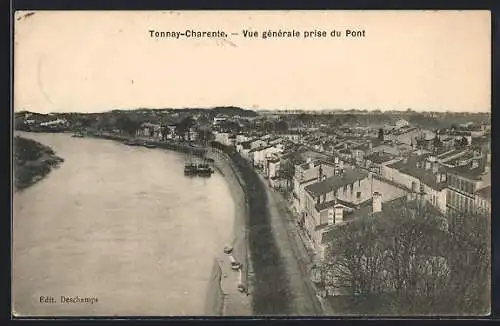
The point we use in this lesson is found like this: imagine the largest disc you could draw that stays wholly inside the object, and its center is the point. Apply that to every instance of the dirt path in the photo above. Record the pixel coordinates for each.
(295, 257)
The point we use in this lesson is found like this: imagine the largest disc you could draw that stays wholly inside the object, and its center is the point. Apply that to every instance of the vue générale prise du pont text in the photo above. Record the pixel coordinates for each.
(264, 34)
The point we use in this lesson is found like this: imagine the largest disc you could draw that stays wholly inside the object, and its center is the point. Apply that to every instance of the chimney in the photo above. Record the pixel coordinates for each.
(435, 167)
(427, 165)
(339, 213)
(377, 202)
(421, 198)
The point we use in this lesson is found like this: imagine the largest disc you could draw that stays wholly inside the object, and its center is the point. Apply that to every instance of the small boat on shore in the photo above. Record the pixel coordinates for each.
(77, 134)
(149, 145)
(131, 142)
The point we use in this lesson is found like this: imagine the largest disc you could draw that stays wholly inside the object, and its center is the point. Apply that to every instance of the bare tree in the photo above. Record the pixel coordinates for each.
(356, 258)
(398, 255)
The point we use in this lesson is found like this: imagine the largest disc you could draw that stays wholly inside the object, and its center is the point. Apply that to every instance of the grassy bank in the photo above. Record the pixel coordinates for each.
(271, 294)
(32, 161)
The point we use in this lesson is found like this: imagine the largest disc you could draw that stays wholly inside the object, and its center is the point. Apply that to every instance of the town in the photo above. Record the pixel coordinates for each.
(333, 169)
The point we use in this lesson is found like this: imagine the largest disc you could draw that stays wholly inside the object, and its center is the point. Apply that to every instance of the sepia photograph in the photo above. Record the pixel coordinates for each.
(251, 163)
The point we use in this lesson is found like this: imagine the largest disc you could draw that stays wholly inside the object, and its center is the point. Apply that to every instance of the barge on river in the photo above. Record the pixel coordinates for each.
(202, 170)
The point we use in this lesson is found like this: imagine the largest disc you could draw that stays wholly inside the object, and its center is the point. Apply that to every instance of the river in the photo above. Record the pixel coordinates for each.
(121, 224)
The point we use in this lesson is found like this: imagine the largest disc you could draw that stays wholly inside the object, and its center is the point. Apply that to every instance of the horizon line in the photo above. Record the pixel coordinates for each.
(257, 110)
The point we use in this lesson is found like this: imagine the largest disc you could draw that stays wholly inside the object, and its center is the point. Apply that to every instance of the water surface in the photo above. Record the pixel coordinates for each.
(119, 223)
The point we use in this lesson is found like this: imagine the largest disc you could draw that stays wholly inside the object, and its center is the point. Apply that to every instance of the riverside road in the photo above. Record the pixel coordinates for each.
(281, 286)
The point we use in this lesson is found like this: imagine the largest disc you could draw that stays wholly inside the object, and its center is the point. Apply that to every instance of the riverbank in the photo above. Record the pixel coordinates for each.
(32, 162)
(236, 302)
(269, 281)
(169, 145)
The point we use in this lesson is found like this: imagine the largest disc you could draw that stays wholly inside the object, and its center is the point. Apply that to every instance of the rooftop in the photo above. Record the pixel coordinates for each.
(391, 208)
(468, 173)
(258, 149)
(379, 157)
(446, 155)
(329, 184)
(485, 193)
(428, 177)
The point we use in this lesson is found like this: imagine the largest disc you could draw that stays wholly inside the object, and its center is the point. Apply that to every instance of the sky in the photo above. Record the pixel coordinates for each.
(93, 61)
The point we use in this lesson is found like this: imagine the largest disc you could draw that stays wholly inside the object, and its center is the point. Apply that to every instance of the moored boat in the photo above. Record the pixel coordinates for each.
(190, 169)
(204, 170)
(131, 142)
(149, 145)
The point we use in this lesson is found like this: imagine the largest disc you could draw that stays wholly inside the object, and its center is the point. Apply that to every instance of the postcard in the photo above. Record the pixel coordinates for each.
(250, 163)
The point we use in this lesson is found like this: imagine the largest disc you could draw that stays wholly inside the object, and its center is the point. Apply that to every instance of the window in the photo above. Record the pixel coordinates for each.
(358, 195)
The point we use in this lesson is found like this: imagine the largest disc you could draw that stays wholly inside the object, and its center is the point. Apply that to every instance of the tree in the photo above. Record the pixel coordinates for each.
(281, 126)
(469, 287)
(381, 134)
(127, 125)
(398, 257)
(437, 143)
(462, 142)
(205, 135)
(184, 126)
(356, 258)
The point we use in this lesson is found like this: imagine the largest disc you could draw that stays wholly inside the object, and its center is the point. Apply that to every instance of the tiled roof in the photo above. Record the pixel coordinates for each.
(327, 204)
(379, 157)
(389, 208)
(425, 176)
(260, 148)
(485, 193)
(452, 153)
(466, 172)
(348, 177)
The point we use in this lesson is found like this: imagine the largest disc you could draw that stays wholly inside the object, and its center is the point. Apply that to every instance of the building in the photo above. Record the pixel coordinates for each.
(421, 173)
(482, 200)
(401, 123)
(148, 129)
(320, 197)
(464, 182)
(223, 138)
(261, 154)
(219, 120)
(306, 174)
(375, 162)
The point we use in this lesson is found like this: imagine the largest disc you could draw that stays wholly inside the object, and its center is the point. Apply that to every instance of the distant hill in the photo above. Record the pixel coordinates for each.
(231, 110)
